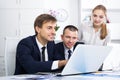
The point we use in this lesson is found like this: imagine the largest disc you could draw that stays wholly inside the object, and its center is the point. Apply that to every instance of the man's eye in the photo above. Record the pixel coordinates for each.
(49, 27)
(94, 15)
(67, 37)
(74, 38)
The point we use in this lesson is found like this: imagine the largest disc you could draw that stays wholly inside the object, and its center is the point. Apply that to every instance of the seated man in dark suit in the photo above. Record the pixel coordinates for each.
(35, 53)
(64, 49)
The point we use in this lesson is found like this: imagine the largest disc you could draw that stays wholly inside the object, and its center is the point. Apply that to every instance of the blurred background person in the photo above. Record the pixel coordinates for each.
(95, 31)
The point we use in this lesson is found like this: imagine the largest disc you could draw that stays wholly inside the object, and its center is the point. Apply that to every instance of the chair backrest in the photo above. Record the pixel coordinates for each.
(10, 53)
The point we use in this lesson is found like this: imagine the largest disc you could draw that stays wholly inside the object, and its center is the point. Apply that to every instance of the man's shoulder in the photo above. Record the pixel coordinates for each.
(80, 43)
(59, 43)
(51, 43)
(27, 39)
(77, 43)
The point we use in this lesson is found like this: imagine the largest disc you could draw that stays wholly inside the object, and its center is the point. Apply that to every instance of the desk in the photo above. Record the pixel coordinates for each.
(96, 76)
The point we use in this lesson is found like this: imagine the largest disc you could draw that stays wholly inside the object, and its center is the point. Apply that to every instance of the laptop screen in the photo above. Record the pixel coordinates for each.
(85, 59)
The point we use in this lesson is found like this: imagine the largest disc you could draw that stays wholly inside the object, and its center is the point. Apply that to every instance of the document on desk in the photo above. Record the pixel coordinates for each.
(31, 77)
(106, 75)
(115, 74)
(88, 77)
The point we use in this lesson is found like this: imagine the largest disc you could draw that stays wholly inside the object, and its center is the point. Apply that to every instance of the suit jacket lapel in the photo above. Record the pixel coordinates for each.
(50, 50)
(36, 47)
(62, 50)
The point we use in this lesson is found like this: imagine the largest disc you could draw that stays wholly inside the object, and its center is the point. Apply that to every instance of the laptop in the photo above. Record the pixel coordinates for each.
(86, 59)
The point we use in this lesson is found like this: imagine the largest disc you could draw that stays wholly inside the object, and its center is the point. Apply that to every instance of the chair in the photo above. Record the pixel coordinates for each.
(10, 53)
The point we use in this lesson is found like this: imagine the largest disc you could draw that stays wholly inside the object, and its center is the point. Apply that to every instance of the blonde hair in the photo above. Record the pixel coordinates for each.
(104, 32)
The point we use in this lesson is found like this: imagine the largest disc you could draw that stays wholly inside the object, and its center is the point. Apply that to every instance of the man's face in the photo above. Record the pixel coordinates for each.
(69, 38)
(47, 32)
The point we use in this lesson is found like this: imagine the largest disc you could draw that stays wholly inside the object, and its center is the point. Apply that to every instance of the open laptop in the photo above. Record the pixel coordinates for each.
(86, 59)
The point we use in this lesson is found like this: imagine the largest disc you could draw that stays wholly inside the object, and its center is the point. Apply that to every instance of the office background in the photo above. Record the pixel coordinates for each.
(17, 18)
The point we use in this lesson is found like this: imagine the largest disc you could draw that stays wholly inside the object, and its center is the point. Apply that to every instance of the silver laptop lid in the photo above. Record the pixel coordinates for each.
(86, 58)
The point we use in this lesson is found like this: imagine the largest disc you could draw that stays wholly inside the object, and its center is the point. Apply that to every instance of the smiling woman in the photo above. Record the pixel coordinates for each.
(95, 31)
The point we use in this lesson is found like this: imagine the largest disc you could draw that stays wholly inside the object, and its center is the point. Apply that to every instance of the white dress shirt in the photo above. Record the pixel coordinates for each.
(55, 63)
(66, 52)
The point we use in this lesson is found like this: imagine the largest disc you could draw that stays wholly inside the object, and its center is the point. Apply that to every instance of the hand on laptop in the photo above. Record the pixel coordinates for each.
(62, 63)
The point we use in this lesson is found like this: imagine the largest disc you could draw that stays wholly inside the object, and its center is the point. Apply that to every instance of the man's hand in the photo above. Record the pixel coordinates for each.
(62, 63)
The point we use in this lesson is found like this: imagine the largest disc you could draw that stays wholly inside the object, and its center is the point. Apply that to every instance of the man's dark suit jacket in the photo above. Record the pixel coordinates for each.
(59, 52)
(28, 57)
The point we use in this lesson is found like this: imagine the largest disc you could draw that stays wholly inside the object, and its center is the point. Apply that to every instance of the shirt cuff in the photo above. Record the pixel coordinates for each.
(55, 65)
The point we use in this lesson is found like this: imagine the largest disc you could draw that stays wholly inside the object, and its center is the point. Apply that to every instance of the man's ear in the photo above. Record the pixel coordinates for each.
(37, 29)
(62, 37)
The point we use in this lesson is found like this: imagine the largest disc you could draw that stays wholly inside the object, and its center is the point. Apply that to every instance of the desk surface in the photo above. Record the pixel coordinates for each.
(96, 76)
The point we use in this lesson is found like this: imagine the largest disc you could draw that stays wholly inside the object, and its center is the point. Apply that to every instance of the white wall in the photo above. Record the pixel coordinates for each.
(71, 6)
(17, 17)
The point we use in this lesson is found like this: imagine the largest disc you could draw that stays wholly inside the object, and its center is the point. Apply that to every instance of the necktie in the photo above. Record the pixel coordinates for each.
(43, 54)
(69, 53)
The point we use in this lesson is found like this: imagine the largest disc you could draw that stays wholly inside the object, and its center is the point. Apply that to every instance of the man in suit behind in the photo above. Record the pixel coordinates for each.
(64, 49)
(35, 53)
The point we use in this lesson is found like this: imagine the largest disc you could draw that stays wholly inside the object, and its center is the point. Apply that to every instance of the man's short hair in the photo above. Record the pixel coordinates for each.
(43, 18)
(71, 28)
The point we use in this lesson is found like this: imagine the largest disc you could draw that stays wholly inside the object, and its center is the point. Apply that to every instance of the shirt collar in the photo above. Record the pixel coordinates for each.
(66, 49)
(91, 25)
(39, 44)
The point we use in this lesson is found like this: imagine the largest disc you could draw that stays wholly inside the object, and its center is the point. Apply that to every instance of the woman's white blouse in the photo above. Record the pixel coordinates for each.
(88, 35)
